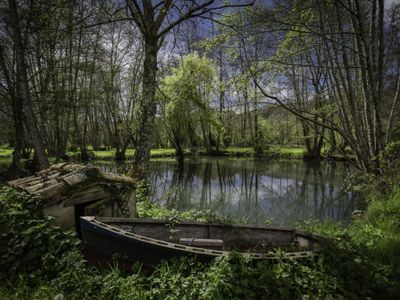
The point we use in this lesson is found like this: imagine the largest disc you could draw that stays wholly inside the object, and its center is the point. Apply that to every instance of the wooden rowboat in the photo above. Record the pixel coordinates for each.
(125, 241)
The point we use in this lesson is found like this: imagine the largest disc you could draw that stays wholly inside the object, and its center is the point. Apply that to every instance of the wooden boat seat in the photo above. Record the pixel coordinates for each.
(204, 243)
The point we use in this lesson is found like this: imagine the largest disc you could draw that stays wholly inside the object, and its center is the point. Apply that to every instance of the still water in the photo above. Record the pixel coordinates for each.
(255, 191)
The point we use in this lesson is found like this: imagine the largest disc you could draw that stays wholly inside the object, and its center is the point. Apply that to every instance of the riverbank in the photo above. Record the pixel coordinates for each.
(275, 152)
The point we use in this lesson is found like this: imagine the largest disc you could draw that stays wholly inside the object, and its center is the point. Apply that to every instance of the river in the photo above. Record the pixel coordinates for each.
(253, 191)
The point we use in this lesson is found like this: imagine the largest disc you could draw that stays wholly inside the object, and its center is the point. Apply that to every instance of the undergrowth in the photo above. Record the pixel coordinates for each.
(39, 261)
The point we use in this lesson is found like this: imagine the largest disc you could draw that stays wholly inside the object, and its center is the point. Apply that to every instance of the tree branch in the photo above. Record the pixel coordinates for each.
(200, 10)
(137, 15)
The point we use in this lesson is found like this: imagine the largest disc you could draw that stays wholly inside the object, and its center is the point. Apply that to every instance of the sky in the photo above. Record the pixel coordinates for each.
(389, 3)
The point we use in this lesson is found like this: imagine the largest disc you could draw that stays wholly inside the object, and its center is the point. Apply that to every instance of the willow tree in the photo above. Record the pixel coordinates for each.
(187, 92)
(155, 19)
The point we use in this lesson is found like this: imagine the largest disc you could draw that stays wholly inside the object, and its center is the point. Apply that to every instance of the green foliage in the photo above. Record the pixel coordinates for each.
(187, 95)
(146, 209)
(268, 136)
(142, 191)
(30, 244)
(237, 277)
(359, 262)
(377, 185)
(390, 159)
(381, 233)
(367, 251)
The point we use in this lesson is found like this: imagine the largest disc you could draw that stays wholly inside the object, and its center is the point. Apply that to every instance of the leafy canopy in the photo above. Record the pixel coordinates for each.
(187, 93)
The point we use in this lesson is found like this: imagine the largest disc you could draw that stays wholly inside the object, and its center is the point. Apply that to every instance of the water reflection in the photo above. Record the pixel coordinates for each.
(281, 192)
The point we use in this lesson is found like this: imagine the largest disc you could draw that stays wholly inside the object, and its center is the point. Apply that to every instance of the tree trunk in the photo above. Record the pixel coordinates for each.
(148, 107)
(23, 89)
(180, 156)
(17, 114)
(120, 154)
(257, 141)
(15, 166)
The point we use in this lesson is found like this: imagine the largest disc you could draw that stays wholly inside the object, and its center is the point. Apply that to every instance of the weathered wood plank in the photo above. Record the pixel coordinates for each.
(90, 196)
(34, 188)
(32, 182)
(201, 242)
(55, 167)
(53, 176)
(17, 182)
(46, 172)
(51, 191)
(40, 186)
(75, 178)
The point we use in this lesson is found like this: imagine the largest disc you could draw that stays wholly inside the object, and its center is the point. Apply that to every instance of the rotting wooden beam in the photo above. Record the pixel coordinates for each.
(118, 179)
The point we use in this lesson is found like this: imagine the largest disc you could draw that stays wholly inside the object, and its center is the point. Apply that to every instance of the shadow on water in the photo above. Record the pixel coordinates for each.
(258, 191)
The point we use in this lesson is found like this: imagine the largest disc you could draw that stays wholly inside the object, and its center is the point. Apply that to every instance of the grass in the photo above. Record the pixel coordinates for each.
(110, 154)
(6, 152)
(293, 152)
(244, 151)
(162, 152)
(296, 150)
(275, 152)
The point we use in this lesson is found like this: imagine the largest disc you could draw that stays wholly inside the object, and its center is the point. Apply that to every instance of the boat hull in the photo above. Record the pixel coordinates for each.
(105, 248)
(107, 245)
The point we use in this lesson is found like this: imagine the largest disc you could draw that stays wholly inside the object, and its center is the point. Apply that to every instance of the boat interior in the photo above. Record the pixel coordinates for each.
(242, 238)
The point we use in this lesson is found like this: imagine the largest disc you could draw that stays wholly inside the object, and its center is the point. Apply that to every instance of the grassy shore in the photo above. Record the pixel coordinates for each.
(274, 152)
(294, 152)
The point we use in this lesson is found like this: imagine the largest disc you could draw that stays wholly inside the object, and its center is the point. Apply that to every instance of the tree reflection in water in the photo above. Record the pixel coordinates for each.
(281, 192)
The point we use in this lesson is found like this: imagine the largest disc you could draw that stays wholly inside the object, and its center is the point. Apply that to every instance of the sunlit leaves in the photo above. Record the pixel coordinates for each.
(187, 93)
